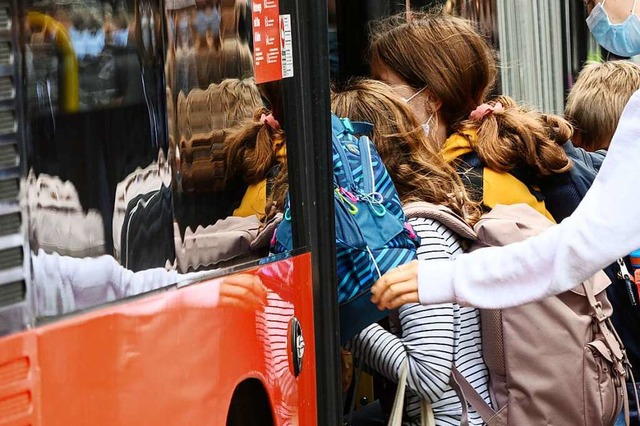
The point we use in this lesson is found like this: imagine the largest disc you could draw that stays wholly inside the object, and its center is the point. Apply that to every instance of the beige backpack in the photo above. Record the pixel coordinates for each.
(554, 362)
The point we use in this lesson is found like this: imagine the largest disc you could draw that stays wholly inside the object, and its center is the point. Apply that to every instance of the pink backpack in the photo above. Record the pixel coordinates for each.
(554, 362)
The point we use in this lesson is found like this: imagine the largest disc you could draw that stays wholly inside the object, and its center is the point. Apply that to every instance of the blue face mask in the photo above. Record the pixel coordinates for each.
(205, 22)
(620, 39)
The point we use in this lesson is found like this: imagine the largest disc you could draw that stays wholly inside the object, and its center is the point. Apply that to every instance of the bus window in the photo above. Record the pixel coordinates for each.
(98, 185)
(142, 170)
(226, 144)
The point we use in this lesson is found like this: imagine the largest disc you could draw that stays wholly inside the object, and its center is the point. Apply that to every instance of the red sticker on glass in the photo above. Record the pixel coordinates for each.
(267, 52)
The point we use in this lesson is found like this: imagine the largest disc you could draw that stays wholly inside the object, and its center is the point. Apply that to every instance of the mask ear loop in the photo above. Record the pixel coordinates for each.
(412, 97)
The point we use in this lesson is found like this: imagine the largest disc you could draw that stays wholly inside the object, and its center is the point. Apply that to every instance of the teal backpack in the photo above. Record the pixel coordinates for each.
(372, 236)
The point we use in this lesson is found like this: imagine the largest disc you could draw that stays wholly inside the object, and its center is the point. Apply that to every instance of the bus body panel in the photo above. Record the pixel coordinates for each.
(169, 358)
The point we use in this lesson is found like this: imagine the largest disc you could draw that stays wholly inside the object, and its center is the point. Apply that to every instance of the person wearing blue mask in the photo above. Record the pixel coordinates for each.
(120, 32)
(616, 25)
(120, 37)
(208, 20)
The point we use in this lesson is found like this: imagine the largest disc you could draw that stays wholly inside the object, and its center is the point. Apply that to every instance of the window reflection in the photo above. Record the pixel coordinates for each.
(98, 190)
(144, 165)
(222, 151)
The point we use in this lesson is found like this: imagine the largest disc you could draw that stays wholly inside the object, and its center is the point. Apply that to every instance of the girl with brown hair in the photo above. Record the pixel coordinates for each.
(602, 229)
(252, 151)
(432, 339)
(445, 70)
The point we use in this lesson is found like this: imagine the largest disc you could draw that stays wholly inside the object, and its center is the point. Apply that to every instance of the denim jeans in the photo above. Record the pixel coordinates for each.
(369, 415)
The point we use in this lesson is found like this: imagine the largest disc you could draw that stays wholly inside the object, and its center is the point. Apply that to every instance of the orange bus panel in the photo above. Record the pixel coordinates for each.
(168, 358)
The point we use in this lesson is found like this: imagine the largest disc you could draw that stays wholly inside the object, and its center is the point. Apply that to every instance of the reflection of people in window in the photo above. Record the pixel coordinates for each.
(87, 33)
(119, 31)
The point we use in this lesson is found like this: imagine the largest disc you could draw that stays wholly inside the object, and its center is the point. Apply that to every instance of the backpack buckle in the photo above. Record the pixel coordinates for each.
(599, 313)
(348, 127)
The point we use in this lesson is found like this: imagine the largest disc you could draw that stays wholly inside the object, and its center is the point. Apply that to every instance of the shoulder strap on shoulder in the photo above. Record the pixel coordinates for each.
(469, 396)
(444, 215)
(362, 128)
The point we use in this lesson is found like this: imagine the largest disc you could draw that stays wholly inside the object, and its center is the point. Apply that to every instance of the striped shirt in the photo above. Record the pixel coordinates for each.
(432, 339)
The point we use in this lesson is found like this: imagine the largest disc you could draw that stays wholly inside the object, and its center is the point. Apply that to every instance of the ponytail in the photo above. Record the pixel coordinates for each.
(510, 135)
(249, 149)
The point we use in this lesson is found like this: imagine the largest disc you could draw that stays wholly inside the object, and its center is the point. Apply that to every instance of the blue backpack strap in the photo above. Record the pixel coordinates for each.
(362, 128)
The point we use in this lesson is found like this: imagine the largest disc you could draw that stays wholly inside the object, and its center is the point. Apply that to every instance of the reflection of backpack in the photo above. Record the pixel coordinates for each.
(147, 239)
(556, 361)
(371, 235)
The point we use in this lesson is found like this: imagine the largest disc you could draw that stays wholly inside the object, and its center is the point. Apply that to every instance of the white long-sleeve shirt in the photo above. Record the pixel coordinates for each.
(432, 339)
(603, 228)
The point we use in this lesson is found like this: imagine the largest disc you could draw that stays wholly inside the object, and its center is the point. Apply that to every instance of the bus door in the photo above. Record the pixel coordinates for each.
(143, 144)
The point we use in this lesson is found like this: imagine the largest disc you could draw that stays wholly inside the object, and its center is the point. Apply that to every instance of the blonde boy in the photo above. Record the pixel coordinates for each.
(596, 101)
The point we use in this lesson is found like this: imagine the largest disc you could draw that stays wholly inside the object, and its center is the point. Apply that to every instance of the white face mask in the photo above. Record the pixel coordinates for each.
(409, 99)
(427, 124)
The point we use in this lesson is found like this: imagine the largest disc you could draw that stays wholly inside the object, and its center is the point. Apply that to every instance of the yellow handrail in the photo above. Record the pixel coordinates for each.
(70, 94)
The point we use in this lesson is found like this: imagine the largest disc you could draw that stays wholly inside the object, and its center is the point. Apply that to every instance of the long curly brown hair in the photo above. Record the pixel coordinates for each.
(416, 166)
(251, 147)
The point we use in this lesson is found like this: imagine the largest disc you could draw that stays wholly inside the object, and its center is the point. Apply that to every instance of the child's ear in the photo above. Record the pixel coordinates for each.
(434, 103)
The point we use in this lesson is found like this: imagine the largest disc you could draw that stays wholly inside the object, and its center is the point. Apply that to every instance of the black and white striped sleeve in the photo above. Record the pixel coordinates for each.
(427, 337)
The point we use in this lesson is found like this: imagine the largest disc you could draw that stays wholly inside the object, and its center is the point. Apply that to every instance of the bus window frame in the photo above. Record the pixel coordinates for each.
(307, 108)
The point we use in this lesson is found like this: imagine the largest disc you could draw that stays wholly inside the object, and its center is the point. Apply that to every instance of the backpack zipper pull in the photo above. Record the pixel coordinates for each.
(629, 281)
(347, 125)
(346, 199)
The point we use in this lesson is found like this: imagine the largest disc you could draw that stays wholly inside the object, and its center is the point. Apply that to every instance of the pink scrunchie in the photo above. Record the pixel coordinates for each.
(270, 121)
(485, 109)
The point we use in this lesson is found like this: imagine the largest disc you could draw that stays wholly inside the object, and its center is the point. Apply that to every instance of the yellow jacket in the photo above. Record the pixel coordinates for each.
(492, 187)
(255, 197)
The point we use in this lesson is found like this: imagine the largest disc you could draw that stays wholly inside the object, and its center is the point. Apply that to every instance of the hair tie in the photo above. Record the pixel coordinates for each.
(485, 109)
(270, 121)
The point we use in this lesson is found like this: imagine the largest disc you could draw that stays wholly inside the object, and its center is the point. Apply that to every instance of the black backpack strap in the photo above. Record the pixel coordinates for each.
(530, 179)
(471, 172)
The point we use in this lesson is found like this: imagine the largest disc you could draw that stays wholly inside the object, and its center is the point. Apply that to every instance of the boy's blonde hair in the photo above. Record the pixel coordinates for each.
(596, 102)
